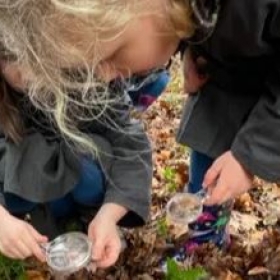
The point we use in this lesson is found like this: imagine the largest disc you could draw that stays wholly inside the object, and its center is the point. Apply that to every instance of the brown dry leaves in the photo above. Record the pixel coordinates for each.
(255, 249)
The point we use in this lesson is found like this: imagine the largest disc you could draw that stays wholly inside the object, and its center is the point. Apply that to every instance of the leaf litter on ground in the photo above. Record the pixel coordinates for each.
(254, 252)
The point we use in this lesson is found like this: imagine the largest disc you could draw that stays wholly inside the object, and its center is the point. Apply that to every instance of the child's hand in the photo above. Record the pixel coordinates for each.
(193, 78)
(106, 241)
(103, 232)
(18, 239)
(226, 179)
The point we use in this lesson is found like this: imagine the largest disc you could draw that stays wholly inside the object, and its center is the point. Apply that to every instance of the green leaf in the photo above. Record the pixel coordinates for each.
(162, 227)
(169, 174)
(11, 269)
(174, 272)
(194, 273)
(22, 276)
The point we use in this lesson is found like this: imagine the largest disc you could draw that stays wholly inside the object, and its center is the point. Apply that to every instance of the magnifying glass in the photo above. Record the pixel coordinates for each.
(185, 208)
(68, 253)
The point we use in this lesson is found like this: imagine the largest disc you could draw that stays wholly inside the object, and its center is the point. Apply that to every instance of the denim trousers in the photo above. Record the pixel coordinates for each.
(89, 191)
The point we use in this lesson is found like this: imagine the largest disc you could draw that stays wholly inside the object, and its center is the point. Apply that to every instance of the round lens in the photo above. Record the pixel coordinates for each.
(184, 208)
(69, 252)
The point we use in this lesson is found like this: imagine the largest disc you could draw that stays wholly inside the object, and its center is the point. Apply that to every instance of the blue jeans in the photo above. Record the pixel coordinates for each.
(199, 164)
(89, 191)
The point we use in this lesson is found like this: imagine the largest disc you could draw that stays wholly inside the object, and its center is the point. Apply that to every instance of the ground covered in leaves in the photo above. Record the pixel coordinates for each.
(255, 247)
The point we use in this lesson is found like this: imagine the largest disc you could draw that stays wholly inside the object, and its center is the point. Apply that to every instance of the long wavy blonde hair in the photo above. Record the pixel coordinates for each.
(45, 36)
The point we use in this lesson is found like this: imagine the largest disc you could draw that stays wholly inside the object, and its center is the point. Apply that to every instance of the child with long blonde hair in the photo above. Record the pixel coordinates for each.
(68, 145)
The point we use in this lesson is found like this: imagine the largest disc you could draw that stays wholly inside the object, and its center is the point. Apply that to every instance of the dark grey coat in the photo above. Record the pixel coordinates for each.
(239, 108)
(43, 167)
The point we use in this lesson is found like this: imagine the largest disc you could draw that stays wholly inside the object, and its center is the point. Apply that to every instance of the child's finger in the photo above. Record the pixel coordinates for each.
(14, 253)
(211, 175)
(23, 249)
(34, 244)
(35, 239)
(110, 258)
(92, 267)
(98, 248)
(39, 254)
(37, 236)
(218, 195)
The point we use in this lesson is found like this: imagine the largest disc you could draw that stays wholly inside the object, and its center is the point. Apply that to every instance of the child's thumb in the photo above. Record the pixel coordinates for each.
(211, 176)
(97, 249)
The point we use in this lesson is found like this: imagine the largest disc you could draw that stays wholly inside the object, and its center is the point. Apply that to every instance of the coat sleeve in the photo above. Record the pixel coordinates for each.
(130, 177)
(37, 169)
(257, 145)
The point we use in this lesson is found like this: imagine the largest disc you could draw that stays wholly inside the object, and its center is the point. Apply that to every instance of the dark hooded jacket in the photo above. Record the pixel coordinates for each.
(44, 167)
(238, 109)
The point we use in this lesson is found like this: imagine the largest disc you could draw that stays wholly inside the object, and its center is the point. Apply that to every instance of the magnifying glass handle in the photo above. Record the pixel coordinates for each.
(203, 195)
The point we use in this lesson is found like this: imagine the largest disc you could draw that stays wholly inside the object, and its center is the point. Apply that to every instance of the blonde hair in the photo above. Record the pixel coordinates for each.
(45, 36)
(180, 13)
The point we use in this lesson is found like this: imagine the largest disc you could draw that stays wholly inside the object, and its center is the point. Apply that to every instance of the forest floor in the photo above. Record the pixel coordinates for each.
(254, 252)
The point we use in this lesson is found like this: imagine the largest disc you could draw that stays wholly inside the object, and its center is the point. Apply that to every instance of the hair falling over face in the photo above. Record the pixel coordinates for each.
(47, 38)
(10, 121)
